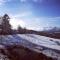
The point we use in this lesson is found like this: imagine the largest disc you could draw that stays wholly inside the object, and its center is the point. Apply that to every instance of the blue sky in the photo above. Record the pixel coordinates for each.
(32, 14)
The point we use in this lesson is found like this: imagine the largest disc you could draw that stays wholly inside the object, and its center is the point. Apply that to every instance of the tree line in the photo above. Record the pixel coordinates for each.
(6, 28)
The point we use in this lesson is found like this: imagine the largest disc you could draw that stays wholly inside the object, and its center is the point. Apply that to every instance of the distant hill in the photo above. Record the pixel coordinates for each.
(55, 29)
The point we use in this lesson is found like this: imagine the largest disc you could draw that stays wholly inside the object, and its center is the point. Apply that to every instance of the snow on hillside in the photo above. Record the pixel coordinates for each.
(40, 44)
(43, 41)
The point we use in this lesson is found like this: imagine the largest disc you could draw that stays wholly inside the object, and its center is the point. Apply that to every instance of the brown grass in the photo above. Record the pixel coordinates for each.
(22, 53)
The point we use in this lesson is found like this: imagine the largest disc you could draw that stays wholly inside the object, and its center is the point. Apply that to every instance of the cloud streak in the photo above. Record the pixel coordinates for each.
(31, 0)
(16, 22)
(2, 2)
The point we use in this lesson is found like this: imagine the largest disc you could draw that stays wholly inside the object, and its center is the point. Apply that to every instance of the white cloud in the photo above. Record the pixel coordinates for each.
(16, 19)
(2, 2)
(23, 14)
(47, 21)
(16, 22)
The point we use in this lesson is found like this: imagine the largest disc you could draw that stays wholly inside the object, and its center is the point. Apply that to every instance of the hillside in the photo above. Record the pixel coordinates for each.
(40, 44)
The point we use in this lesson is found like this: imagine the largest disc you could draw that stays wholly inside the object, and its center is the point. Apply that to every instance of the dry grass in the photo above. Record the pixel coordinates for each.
(22, 53)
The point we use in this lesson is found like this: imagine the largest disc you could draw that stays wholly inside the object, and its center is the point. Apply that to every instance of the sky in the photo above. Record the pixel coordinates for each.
(32, 14)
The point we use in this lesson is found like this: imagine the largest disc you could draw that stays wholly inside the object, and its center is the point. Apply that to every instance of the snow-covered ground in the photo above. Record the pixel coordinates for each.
(40, 44)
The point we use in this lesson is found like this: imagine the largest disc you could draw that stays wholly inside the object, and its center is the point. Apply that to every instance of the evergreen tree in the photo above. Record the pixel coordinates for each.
(6, 27)
(20, 29)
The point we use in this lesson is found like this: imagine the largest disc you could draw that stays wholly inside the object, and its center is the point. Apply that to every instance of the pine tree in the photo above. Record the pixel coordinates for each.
(6, 27)
(20, 29)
